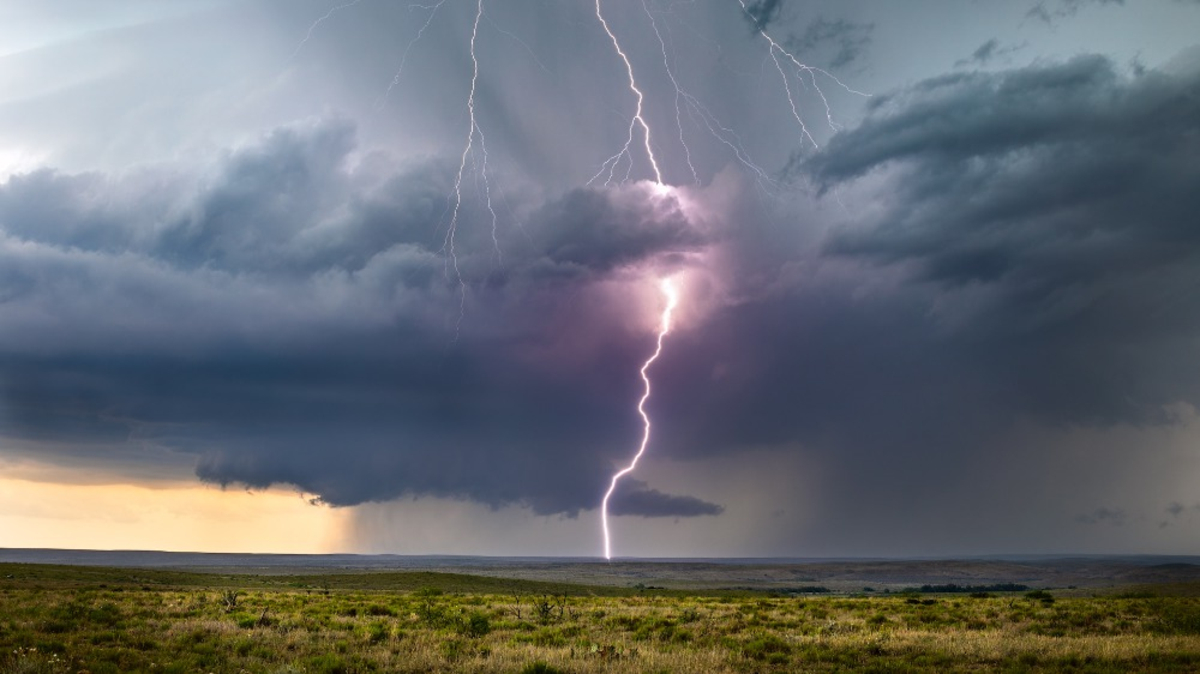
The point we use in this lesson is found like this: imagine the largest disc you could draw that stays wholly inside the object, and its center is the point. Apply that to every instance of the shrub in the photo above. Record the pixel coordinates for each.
(230, 599)
(769, 648)
(327, 664)
(548, 609)
(377, 632)
(475, 625)
(1041, 595)
(455, 649)
(433, 614)
(540, 667)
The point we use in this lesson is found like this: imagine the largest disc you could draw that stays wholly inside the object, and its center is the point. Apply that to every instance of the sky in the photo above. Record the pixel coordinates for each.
(372, 276)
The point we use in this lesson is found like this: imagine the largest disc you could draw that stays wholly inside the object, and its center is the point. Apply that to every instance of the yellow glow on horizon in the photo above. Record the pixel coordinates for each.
(175, 517)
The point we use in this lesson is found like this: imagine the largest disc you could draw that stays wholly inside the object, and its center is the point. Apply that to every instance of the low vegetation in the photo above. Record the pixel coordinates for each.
(70, 620)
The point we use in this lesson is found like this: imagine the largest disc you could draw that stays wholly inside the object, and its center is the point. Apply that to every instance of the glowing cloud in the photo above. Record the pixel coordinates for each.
(672, 295)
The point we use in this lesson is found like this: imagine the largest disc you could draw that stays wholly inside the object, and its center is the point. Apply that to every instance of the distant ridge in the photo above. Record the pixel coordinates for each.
(838, 575)
(168, 559)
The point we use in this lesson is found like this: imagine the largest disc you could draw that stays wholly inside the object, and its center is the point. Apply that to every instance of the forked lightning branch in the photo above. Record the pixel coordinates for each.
(619, 167)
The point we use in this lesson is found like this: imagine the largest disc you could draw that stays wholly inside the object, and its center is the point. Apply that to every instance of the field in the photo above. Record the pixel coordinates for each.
(99, 620)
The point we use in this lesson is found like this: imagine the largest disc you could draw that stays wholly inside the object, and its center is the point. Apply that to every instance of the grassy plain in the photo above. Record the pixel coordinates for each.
(98, 620)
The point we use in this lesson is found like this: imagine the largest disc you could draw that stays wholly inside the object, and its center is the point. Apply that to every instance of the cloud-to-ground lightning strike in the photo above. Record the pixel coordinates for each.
(637, 120)
(671, 293)
(794, 74)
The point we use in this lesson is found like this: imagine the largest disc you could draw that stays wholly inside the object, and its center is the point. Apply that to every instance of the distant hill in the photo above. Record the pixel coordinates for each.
(846, 575)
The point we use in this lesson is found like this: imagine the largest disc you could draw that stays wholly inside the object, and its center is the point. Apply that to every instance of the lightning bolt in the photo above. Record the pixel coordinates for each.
(729, 138)
(671, 293)
(433, 10)
(779, 56)
(321, 20)
(679, 92)
(473, 130)
(696, 109)
(794, 74)
(637, 120)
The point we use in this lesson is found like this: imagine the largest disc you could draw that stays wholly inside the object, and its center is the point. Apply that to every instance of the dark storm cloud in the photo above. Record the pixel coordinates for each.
(988, 52)
(1057, 198)
(1052, 11)
(599, 232)
(289, 319)
(849, 39)
(763, 12)
(1025, 250)
(1112, 516)
(633, 497)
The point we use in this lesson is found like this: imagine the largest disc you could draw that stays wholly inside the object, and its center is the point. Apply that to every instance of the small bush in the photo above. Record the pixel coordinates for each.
(245, 620)
(1040, 595)
(549, 609)
(456, 649)
(475, 625)
(540, 667)
(327, 664)
(433, 614)
(768, 648)
(230, 599)
(377, 632)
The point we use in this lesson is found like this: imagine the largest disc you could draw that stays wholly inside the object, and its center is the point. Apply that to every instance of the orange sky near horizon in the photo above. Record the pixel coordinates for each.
(175, 516)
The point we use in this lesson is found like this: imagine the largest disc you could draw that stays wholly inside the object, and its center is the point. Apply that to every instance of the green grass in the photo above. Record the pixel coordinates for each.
(51, 576)
(57, 619)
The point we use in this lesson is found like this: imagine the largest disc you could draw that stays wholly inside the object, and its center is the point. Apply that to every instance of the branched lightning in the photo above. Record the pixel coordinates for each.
(433, 10)
(472, 131)
(679, 92)
(637, 120)
(727, 137)
(672, 294)
(779, 56)
(321, 20)
(795, 75)
(512, 36)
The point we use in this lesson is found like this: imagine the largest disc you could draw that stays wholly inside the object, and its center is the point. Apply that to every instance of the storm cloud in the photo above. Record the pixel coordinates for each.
(286, 258)
(763, 12)
(292, 323)
(1049, 208)
(1050, 12)
(849, 39)
(634, 497)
